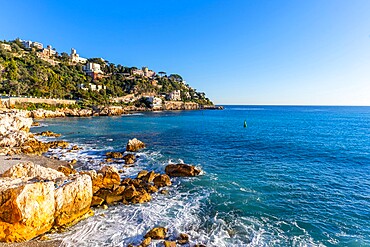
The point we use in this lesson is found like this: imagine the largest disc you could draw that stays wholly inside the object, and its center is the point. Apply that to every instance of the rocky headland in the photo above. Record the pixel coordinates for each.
(39, 197)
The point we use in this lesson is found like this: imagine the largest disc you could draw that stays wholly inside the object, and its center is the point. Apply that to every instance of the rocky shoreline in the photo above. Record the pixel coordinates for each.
(38, 199)
(108, 110)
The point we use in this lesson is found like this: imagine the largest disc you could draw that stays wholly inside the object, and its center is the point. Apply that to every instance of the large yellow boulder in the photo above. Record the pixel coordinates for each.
(73, 200)
(27, 209)
(34, 198)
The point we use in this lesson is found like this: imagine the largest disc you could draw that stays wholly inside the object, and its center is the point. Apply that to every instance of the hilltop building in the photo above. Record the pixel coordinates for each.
(28, 44)
(175, 95)
(47, 52)
(75, 58)
(145, 72)
(93, 70)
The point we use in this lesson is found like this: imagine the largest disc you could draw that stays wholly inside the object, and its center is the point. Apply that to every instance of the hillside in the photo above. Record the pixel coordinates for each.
(29, 69)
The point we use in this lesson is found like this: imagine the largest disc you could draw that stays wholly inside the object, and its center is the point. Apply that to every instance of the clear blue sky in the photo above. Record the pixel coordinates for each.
(314, 52)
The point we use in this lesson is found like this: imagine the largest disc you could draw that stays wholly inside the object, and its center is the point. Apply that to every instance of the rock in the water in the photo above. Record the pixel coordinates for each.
(48, 134)
(75, 147)
(129, 159)
(169, 243)
(114, 155)
(183, 238)
(134, 145)
(107, 178)
(142, 174)
(157, 233)
(164, 192)
(146, 242)
(149, 177)
(151, 189)
(162, 180)
(130, 192)
(58, 144)
(181, 170)
(142, 196)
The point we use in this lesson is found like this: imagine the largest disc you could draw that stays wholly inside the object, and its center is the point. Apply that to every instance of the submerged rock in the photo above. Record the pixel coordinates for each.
(134, 145)
(129, 159)
(157, 233)
(183, 238)
(181, 170)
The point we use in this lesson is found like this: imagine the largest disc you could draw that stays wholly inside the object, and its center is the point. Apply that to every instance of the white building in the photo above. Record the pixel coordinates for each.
(92, 67)
(29, 44)
(144, 72)
(47, 52)
(155, 102)
(37, 45)
(75, 58)
(175, 95)
(93, 70)
(92, 87)
(26, 43)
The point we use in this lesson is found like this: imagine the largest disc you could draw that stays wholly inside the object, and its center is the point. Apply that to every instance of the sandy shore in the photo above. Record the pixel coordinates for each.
(8, 161)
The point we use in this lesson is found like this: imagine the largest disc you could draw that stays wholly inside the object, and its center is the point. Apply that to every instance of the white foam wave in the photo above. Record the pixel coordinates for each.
(183, 210)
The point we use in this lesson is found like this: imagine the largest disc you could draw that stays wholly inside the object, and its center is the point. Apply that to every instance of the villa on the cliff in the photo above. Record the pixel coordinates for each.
(93, 70)
(175, 95)
(145, 72)
(28, 44)
(75, 57)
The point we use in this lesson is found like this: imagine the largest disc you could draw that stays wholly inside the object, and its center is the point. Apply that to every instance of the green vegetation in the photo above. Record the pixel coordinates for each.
(22, 72)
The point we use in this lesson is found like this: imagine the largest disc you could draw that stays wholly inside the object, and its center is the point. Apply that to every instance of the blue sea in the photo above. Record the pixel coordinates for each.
(295, 176)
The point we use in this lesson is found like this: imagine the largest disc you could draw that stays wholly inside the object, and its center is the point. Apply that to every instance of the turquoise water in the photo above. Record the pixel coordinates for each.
(296, 176)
